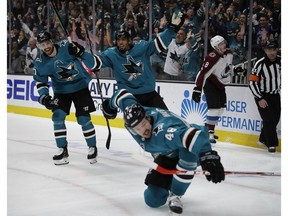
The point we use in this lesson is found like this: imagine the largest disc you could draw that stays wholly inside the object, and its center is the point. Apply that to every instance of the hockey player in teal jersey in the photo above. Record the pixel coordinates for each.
(166, 135)
(131, 62)
(62, 63)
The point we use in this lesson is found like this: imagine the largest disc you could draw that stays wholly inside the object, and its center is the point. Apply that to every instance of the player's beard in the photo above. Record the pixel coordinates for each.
(123, 48)
(49, 50)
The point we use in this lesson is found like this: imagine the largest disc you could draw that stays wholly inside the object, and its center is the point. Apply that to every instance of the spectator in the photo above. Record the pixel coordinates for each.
(158, 59)
(107, 41)
(22, 42)
(18, 9)
(192, 19)
(193, 56)
(265, 85)
(17, 59)
(32, 53)
(175, 59)
(263, 33)
(131, 27)
(118, 21)
(219, 21)
(237, 48)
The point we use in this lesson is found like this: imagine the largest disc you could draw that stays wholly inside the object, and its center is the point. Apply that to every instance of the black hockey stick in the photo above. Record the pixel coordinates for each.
(87, 69)
(65, 30)
(60, 21)
(99, 90)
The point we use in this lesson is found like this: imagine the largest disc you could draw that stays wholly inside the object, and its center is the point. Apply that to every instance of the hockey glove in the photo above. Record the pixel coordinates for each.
(75, 49)
(210, 161)
(48, 102)
(196, 95)
(240, 71)
(176, 21)
(107, 111)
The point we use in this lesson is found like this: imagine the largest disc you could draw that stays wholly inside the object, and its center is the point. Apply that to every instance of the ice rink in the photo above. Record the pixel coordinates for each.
(114, 185)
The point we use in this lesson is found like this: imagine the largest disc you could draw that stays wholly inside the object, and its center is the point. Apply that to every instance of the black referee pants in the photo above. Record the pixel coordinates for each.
(270, 116)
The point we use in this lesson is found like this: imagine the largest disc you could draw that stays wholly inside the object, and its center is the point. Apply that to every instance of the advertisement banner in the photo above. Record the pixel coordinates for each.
(241, 114)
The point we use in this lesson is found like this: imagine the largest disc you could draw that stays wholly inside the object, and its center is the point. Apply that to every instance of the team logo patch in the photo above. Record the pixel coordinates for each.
(133, 68)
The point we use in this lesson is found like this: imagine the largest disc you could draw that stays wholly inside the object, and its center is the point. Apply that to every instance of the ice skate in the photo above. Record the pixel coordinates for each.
(92, 155)
(272, 149)
(61, 158)
(175, 205)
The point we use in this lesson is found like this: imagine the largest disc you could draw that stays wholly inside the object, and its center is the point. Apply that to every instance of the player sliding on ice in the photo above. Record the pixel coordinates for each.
(166, 135)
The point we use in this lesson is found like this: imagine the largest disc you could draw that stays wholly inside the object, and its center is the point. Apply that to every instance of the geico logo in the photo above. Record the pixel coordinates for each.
(19, 89)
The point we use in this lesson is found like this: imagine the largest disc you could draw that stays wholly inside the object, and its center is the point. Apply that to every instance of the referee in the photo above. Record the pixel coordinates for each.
(265, 85)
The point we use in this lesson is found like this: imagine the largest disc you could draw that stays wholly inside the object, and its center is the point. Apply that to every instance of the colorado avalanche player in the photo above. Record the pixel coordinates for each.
(213, 76)
(166, 135)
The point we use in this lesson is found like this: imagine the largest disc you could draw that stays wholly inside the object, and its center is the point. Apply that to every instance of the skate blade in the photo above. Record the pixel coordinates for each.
(174, 214)
(93, 161)
(63, 161)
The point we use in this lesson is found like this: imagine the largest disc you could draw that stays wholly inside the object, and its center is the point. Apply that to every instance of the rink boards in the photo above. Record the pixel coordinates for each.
(240, 122)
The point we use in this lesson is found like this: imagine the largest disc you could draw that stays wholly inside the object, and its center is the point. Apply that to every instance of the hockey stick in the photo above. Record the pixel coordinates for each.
(87, 69)
(66, 33)
(60, 21)
(100, 91)
(152, 165)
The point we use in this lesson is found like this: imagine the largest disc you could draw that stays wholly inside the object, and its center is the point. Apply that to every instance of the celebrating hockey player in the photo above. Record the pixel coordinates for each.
(62, 62)
(131, 62)
(166, 135)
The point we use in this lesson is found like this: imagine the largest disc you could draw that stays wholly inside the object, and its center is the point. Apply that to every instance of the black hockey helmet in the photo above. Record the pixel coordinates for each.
(133, 115)
(123, 33)
(43, 36)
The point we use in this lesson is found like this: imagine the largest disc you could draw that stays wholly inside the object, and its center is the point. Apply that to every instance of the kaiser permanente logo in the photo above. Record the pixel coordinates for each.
(194, 112)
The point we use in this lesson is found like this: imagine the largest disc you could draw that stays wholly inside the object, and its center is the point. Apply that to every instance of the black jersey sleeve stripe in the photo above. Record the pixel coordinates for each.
(190, 137)
(159, 45)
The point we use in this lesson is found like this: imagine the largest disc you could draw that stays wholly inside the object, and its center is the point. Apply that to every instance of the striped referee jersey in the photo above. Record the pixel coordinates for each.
(265, 77)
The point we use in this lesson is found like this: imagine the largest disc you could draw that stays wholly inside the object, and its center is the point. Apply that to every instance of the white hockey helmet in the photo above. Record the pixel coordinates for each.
(216, 40)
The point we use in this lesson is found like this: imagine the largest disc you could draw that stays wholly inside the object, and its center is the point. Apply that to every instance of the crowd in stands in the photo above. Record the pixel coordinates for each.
(228, 18)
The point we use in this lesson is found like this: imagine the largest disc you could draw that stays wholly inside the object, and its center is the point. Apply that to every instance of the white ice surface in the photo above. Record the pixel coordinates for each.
(114, 185)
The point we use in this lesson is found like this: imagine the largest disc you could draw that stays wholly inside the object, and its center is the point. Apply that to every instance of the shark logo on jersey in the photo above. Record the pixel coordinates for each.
(133, 68)
(158, 129)
(174, 56)
(194, 112)
(67, 72)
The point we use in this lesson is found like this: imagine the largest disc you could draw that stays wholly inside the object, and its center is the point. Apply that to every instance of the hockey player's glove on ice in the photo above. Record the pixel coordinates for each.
(196, 95)
(210, 161)
(107, 111)
(75, 49)
(48, 102)
(177, 20)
